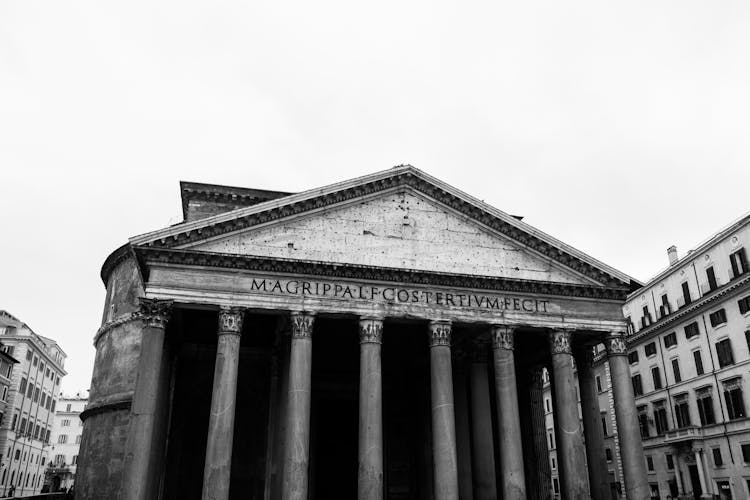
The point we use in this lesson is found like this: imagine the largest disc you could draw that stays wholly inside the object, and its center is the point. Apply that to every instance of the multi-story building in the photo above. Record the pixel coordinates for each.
(689, 353)
(67, 428)
(25, 431)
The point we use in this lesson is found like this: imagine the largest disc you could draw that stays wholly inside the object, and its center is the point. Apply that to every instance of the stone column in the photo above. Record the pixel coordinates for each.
(508, 420)
(483, 452)
(542, 482)
(148, 415)
(218, 466)
(370, 476)
(592, 427)
(463, 432)
(445, 476)
(570, 449)
(631, 448)
(701, 473)
(297, 442)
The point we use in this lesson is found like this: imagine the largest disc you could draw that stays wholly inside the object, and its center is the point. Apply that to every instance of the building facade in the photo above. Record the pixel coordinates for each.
(27, 424)
(382, 337)
(67, 429)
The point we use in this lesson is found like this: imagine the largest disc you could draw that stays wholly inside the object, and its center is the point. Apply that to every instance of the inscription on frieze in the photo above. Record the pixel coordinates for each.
(400, 295)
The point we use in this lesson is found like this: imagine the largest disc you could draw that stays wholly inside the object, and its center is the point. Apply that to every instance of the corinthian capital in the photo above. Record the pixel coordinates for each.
(155, 312)
(370, 331)
(230, 320)
(440, 333)
(302, 325)
(502, 337)
(560, 341)
(616, 345)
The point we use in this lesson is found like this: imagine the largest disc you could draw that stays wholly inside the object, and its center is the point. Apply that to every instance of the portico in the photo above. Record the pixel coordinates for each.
(398, 364)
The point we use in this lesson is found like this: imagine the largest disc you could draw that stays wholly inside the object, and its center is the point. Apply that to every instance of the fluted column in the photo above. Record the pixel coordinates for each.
(592, 428)
(508, 419)
(297, 442)
(483, 452)
(631, 447)
(218, 466)
(148, 413)
(570, 449)
(370, 475)
(445, 467)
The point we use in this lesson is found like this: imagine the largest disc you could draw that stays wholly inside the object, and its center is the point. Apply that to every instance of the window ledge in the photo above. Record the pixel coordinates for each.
(722, 325)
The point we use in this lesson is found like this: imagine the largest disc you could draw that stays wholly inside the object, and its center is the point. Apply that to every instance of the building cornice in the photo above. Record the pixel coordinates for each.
(404, 176)
(693, 309)
(150, 255)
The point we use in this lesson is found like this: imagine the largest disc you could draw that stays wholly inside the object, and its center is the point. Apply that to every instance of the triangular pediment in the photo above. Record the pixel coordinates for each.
(399, 218)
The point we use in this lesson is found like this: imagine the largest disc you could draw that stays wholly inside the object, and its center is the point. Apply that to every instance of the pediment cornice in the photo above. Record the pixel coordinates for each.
(408, 177)
(148, 256)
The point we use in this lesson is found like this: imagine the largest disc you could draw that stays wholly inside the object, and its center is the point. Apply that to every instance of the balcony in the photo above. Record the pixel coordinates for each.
(688, 433)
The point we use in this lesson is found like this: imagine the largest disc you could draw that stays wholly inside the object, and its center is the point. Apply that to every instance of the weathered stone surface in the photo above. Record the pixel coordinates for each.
(370, 472)
(403, 229)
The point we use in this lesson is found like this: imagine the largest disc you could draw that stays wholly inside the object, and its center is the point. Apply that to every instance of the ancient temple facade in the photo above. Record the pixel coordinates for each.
(379, 338)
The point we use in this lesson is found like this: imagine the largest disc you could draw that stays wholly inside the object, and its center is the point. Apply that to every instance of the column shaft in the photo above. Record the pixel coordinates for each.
(570, 449)
(631, 447)
(445, 474)
(463, 433)
(508, 419)
(297, 442)
(592, 428)
(701, 473)
(147, 434)
(218, 466)
(370, 475)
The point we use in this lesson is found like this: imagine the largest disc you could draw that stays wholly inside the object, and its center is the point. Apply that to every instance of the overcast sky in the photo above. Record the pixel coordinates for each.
(618, 129)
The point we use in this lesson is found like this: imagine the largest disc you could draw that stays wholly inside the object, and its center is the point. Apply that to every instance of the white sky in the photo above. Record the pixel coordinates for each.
(618, 129)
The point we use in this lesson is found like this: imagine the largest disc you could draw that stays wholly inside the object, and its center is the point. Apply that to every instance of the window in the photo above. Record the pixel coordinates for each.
(629, 323)
(551, 439)
(36, 361)
(692, 330)
(643, 421)
(29, 354)
(664, 308)
(29, 391)
(78, 439)
(646, 320)
(5, 392)
(650, 463)
(65, 422)
(637, 386)
(604, 424)
(670, 461)
(599, 379)
(633, 357)
(22, 427)
(67, 407)
(59, 459)
(660, 417)
(556, 485)
(547, 405)
(744, 304)
(698, 362)
(686, 293)
(711, 276)
(670, 340)
(36, 394)
(682, 411)
(718, 460)
(705, 406)
(733, 398)
(676, 371)
(608, 454)
(53, 405)
(74, 460)
(718, 317)
(745, 453)
(62, 438)
(724, 353)
(554, 463)
(22, 386)
(43, 460)
(738, 260)
(656, 374)
(13, 424)
(650, 349)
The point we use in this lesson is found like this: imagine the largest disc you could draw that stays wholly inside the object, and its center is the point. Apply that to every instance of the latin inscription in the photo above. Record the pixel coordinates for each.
(399, 295)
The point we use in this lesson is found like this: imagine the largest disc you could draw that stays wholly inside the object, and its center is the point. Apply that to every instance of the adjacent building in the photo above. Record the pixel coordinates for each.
(381, 337)
(32, 386)
(67, 428)
(689, 354)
